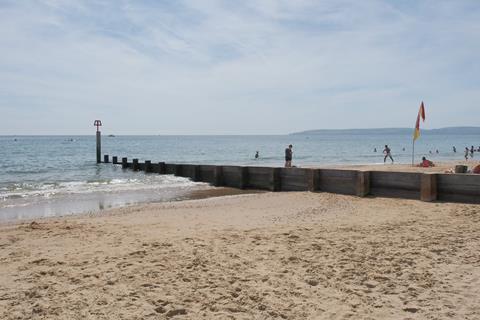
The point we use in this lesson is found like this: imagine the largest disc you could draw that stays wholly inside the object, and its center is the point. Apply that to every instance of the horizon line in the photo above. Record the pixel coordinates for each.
(240, 134)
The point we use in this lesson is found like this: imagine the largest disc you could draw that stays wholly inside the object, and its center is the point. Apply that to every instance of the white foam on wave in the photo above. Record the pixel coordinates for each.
(47, 190)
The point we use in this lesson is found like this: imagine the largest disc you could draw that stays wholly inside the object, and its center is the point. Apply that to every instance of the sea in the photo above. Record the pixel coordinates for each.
(46, 176)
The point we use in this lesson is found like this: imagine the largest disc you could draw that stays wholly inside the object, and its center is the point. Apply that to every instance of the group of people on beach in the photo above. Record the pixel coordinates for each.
(425, 163)
(469, 152)
(388, 154)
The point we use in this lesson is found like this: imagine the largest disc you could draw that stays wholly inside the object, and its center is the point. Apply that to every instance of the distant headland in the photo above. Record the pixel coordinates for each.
(447, 130)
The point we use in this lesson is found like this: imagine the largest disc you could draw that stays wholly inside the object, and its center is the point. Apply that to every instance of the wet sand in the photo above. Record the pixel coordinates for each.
(99, 202)
(296, 255)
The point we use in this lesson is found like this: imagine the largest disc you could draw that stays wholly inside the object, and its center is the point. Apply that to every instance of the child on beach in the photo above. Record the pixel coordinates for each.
(387, 152)
(426, 163)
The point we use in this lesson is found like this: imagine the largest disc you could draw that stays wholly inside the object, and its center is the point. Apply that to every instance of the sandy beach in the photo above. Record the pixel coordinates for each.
(245, 160)
(440, 167)
(295, 255)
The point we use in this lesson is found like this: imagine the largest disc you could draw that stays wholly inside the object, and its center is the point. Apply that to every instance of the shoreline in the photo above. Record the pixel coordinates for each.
(67, 204)
(98, 202)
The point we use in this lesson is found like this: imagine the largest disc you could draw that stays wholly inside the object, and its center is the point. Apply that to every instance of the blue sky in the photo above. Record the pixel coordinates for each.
(236, 67)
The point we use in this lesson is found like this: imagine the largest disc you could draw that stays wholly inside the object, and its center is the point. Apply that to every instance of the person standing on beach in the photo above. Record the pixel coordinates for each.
(387, 151)
(288, 157)
(472, 150)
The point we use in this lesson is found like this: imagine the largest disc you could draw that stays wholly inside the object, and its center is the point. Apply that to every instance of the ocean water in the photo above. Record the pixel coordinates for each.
(57, 175)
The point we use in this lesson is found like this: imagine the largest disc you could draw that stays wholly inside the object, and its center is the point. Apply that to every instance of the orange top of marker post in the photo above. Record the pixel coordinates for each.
(98, 124)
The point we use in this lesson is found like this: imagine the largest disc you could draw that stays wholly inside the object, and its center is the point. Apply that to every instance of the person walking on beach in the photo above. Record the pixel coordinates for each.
(467, 152)
(288, 157)
(387, 151)
(472, 150)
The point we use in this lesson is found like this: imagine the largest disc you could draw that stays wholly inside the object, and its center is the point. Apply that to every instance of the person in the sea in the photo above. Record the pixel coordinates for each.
(426, 163)
(288, 156)
(467, 152)
(257, 155)
(387, 151)
(374, 149)
(454, 149)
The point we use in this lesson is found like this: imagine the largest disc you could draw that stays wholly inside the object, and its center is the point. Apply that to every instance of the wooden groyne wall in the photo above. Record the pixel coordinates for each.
(407, 185)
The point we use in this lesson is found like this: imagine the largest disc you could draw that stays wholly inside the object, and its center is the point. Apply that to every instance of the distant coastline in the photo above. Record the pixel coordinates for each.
(447, 130)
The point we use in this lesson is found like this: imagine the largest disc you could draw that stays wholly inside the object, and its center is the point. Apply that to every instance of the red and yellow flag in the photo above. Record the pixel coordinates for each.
(421, 114)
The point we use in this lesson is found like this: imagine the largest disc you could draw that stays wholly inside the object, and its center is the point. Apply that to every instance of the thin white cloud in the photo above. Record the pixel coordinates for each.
(213, 66)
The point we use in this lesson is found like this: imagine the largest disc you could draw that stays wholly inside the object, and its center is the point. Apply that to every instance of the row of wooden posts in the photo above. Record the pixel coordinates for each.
(409, 185)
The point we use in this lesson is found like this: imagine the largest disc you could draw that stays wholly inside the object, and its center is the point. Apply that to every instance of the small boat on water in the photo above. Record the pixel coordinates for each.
(111, 135)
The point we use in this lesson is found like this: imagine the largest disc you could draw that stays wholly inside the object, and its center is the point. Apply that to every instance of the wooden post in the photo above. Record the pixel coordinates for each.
(218, 176)
(124, 163)
(162, 168)
(275, 180)
(428, 187)
(114, 159)
(178, 170)
(243, 177)
(313, 176)
(99, 147)
(363, 183)
(196, 174)
(135, 164)
(106, 159)
(148, 166)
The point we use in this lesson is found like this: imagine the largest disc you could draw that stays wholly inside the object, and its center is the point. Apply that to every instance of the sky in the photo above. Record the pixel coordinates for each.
(236, 67)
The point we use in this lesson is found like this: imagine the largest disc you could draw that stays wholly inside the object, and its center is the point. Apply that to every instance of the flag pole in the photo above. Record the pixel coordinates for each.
(413, 153)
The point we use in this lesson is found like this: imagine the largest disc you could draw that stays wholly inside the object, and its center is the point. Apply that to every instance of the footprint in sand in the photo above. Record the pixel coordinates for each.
(176, 312)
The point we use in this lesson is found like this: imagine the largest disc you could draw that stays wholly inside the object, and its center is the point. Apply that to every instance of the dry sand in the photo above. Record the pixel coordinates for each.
(259, 256)
(440, 167)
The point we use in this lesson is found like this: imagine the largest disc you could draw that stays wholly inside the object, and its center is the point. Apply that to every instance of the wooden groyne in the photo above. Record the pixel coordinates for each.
(407, 185)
